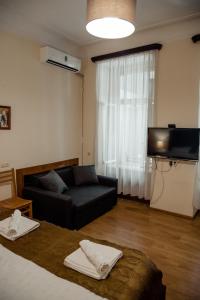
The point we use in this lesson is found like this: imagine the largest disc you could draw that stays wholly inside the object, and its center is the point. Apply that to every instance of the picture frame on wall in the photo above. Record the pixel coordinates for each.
(5, 117)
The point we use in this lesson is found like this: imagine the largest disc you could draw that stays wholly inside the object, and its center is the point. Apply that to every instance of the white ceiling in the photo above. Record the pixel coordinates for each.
(66, 18)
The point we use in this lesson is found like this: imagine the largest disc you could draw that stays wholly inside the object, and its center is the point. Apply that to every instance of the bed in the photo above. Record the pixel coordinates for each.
(134, 277)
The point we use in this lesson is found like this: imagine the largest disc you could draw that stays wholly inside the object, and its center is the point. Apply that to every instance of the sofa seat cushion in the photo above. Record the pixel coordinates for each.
(84, 195)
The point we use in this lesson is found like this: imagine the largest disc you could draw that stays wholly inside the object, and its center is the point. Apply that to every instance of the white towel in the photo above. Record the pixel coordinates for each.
(79, 261)
(95, 256)
(25, 226)
(14, 222)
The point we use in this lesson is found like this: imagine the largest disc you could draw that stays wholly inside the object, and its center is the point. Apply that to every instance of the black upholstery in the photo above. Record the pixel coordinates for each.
(75, 207)
(91, 201)
(85, 175)
(50, 206)
(53, 182)
(67, 175)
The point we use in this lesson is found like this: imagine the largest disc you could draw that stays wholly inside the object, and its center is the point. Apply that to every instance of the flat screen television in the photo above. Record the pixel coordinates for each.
(174, 143)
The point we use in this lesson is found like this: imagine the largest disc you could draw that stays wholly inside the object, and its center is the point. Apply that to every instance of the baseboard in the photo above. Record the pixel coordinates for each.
(147, 202)
(174, 214)
(134, 198)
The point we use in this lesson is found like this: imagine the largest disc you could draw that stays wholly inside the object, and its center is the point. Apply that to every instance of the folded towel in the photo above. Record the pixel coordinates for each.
(14, 222)
(95, 256)
(80, 262)
(25, 226)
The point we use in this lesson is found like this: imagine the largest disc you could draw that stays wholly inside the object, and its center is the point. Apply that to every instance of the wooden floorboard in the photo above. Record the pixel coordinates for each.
(172, 242)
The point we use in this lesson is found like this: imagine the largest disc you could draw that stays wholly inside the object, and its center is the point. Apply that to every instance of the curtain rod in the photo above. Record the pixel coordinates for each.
(196, 38)
(127, 52)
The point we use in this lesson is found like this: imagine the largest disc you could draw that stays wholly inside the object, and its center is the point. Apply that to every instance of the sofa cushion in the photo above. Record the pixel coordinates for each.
(33, 180)
(85, 175)
(53, 182)
(87, 194)
(67, 175)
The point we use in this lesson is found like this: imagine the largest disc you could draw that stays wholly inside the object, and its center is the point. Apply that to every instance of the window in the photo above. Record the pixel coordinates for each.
(125, 98)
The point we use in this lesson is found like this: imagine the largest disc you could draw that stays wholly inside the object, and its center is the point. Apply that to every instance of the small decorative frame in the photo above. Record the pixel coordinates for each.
(5, 117)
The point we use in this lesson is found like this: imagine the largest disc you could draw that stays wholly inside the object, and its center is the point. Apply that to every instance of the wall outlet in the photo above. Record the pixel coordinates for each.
(4, 165)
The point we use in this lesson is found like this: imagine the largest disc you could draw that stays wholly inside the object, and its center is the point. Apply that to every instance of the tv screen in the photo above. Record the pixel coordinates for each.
(175, 143)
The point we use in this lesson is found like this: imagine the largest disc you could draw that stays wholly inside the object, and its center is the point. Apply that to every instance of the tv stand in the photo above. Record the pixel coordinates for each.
(173, 187)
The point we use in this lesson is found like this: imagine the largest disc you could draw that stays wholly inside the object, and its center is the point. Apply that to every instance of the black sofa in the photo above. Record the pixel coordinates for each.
(75, 207)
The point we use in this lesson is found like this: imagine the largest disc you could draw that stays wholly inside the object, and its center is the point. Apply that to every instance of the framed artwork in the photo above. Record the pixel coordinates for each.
(5, 117)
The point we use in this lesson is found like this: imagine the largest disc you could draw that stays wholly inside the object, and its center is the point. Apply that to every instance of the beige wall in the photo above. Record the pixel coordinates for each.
(89, 112)
(159, 34)
(177, 89)
(177, 77)
(177, 84)
(46, 104)
(47, 101)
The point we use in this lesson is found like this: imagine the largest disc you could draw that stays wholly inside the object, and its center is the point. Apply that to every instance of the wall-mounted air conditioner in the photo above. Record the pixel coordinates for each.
(60, 59)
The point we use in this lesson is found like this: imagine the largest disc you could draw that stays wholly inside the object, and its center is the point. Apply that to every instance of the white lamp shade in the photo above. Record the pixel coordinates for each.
(110, 19)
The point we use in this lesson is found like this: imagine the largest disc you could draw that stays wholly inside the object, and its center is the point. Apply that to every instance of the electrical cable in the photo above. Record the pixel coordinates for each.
(176, 163)
(156, 165)
(165, 171)
(162, 189)
(162, 182)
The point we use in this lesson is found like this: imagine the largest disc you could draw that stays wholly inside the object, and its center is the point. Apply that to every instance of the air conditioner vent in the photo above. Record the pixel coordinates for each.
(60, 59)
(61, 65)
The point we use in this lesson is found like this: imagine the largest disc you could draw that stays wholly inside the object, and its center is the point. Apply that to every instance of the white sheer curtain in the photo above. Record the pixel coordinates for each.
(125, 98)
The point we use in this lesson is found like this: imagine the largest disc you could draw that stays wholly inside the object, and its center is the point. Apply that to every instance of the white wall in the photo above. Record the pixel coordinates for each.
(46, 103)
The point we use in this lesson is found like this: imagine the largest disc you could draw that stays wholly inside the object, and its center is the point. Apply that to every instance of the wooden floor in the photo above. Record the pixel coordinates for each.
(172, 242)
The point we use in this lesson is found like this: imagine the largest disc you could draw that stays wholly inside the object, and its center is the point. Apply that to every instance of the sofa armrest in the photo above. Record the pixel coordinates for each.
(109, 181)
(50, 206)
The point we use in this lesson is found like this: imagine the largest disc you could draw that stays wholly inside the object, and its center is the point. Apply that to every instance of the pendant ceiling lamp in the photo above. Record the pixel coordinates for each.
(110, 19)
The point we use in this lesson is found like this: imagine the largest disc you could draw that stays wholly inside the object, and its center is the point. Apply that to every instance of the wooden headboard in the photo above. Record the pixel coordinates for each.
(20, 173)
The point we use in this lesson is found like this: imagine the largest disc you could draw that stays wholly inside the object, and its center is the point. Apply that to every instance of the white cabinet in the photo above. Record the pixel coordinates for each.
(173, 188)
